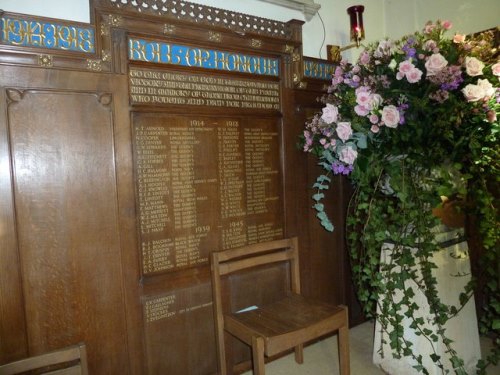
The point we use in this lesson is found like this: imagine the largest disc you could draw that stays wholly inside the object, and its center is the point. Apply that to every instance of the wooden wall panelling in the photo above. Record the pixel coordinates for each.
(125, 169)
(13, 338)
(227, 140)
(329, 273)
(71, 215)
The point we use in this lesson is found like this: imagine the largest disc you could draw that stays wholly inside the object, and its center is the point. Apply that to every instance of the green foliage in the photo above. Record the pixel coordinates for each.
(447, 147)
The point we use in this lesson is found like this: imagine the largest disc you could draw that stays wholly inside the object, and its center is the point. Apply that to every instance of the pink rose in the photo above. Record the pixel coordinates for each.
(428, 28)
(491, 116)
(330, 113)
(406, 66)
(362, 97)
(473, 93)
(495, 69)
(447, 25)
(361, 110)
(374, 129)
(458, 38)
(435, 63)
(390, 116)
(348, 155)
(373, 119)
(473, 66)
(344, 130)
(414, 75)
(364, 58)
(429, 45)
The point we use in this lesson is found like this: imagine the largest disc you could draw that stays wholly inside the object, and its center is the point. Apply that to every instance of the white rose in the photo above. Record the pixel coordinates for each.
(473, 93)
(473, 66)
(344, 130)
(435, 63)
(390, 116)
(487, 87)
(348, 155)
(375, 101)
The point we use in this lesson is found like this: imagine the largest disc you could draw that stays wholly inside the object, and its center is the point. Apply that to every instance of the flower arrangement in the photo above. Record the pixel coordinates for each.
(411, 121)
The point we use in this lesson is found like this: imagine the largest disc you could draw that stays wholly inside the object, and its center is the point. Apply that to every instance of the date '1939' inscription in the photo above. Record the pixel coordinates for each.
(158, 87)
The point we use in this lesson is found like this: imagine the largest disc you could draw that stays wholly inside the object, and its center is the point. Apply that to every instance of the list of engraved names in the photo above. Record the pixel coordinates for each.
(204, 184)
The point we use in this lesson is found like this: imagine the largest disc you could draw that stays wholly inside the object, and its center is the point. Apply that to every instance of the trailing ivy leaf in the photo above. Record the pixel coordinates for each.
(435, 357)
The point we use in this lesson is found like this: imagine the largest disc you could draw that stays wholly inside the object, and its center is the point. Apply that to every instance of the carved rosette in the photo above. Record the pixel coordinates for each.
(45, 61)
(168, 29)
(105, 56)
(94, 65)
(214, 36)
(294, 61)
(256, 43)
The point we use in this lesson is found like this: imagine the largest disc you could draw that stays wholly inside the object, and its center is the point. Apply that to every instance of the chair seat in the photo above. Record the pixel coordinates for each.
(286, 323)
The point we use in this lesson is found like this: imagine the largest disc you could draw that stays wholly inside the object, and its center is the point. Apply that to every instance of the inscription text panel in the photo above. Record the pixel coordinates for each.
(204, 183)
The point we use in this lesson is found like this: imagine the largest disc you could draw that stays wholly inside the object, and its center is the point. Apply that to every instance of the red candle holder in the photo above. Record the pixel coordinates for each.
(357, 29)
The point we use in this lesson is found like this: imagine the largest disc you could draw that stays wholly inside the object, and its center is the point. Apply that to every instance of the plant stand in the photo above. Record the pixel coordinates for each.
(452, 274)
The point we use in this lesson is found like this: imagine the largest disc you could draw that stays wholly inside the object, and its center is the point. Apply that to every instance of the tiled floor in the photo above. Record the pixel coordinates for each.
(321, 358)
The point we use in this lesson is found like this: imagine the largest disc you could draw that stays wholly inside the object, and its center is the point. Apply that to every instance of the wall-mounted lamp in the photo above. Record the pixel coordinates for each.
(357, 33)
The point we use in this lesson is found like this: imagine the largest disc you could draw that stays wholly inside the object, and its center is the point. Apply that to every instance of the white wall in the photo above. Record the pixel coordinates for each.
(382, 18)
(75, 10)
(467, 16)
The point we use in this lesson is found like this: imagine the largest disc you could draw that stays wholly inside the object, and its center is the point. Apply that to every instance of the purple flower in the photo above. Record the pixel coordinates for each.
(408, 48)
(340, 168)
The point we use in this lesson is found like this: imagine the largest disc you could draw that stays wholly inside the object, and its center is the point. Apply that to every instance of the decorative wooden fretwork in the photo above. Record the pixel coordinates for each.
(201, 14)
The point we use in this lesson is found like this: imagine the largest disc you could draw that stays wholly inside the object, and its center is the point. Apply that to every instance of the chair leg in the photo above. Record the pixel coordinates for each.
(258, 355)
(299, 354)
(343, 344)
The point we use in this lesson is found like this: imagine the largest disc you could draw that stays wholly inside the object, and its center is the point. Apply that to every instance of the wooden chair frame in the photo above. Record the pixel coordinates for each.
(273, 335)
(66, 355)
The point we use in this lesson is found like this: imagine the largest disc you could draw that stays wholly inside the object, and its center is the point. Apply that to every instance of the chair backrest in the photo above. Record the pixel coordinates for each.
(226, 262)
(75, 357)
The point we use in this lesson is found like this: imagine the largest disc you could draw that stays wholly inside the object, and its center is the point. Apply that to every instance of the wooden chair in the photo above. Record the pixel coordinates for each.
(74, 358)
(282, 325)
